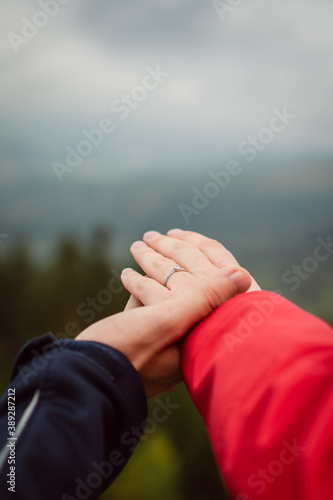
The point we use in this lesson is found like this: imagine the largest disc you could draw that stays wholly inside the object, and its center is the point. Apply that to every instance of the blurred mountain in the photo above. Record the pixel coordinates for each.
(271, 206)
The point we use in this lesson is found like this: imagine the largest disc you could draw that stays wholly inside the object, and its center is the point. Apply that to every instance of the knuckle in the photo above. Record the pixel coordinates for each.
(180, 245)
(208, 243)
(157, 264)
(226, 261)
(139, 284)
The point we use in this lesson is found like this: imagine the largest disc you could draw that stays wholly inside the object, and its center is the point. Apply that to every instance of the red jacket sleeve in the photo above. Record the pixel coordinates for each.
(260, 372)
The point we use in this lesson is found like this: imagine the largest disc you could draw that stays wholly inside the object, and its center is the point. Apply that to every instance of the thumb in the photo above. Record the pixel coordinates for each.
(177, 315)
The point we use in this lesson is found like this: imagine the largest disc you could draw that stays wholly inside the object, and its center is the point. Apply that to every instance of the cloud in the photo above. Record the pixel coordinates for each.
(225, 79)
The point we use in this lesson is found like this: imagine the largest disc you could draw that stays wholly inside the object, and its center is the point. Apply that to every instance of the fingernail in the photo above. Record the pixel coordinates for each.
(127, 271)
(138, 244)
(174, 231)
(240, 280)
(151, 234)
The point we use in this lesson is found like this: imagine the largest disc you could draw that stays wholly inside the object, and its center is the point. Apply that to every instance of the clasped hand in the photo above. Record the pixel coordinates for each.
(157, 317)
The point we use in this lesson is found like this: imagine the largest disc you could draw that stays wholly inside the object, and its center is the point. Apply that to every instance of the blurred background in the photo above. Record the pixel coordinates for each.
(70, 210)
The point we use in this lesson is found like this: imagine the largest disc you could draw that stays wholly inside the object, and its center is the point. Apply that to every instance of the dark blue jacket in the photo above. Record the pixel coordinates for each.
(73, 405)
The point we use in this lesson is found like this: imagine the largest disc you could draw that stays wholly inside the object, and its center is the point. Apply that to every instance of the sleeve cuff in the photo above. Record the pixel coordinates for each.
(37, 354)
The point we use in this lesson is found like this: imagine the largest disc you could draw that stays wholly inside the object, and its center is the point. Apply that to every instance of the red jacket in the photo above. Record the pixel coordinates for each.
(260, 371)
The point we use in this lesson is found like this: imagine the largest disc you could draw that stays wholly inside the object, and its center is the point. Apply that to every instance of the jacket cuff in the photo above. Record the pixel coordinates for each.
(227, 334)
(37, 353)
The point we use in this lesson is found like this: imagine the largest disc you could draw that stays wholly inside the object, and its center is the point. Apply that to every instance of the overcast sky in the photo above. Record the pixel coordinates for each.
(225, 78)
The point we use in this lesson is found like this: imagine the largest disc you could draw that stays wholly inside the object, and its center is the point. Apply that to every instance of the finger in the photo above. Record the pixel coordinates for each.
(162, 325)
(184, 253)
(145, 290)
(156, 266)
(177, 315)
(133, 303)
(215, 251)
(254, 287)
(217, 254)
(166, 323)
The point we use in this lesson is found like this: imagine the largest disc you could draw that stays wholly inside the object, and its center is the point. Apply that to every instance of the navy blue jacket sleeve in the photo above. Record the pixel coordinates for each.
(74, 405)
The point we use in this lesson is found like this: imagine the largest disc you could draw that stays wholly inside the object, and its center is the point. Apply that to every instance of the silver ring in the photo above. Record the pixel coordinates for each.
(170, 273)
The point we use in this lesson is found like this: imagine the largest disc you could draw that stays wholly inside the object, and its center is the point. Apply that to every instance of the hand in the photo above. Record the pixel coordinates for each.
(158, 254)
(148, 335)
